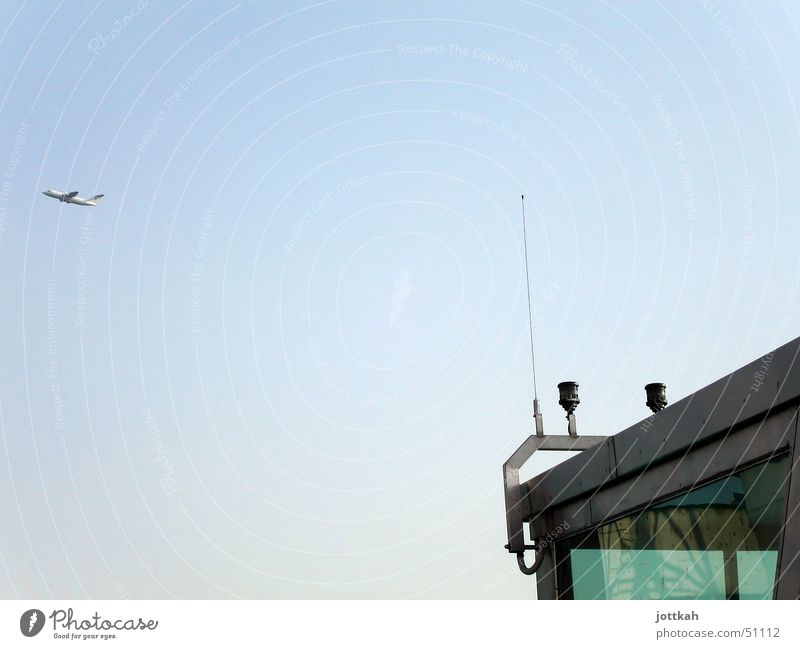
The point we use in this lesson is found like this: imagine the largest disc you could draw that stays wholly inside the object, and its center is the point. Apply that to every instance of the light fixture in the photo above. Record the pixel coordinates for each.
(656, 396)
(568, 396)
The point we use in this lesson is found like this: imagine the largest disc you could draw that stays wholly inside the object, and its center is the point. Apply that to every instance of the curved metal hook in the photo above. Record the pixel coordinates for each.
(539, 548)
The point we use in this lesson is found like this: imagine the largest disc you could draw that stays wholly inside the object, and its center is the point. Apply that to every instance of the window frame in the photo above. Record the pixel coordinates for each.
(563, 562)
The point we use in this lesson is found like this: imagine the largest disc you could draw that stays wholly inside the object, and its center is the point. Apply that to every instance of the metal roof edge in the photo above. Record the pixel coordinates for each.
(768, 383)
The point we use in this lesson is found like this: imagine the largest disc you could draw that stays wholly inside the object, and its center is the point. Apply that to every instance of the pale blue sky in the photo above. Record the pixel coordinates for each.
(287, 355)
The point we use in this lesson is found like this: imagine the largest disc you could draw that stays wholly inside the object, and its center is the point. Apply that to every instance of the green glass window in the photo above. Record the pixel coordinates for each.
(717, 541)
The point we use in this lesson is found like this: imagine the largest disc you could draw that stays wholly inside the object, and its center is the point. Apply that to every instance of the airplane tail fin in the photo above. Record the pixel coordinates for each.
(96, 198)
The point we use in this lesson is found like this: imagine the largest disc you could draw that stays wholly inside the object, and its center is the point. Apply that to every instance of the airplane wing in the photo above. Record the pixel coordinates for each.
(72, 194)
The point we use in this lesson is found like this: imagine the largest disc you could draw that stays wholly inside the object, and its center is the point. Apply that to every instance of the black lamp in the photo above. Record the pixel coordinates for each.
(656, 396)
(568, 396)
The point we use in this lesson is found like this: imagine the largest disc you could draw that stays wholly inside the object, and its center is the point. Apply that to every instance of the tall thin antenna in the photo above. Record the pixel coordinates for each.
(536, 414)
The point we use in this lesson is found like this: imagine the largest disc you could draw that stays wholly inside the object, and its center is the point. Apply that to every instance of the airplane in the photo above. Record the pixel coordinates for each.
(72, 197)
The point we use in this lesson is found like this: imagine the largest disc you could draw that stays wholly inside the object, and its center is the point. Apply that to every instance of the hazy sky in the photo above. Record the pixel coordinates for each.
(286, 356)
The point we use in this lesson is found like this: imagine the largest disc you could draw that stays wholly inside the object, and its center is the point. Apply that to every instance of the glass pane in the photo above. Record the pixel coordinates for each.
(648, 574)
(714, 542)
(756, 573)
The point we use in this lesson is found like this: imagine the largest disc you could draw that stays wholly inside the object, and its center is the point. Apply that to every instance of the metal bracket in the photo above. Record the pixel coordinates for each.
(516, 507)
(537, 561)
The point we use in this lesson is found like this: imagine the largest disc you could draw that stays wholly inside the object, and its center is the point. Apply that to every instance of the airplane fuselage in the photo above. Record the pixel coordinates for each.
(72, 197)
